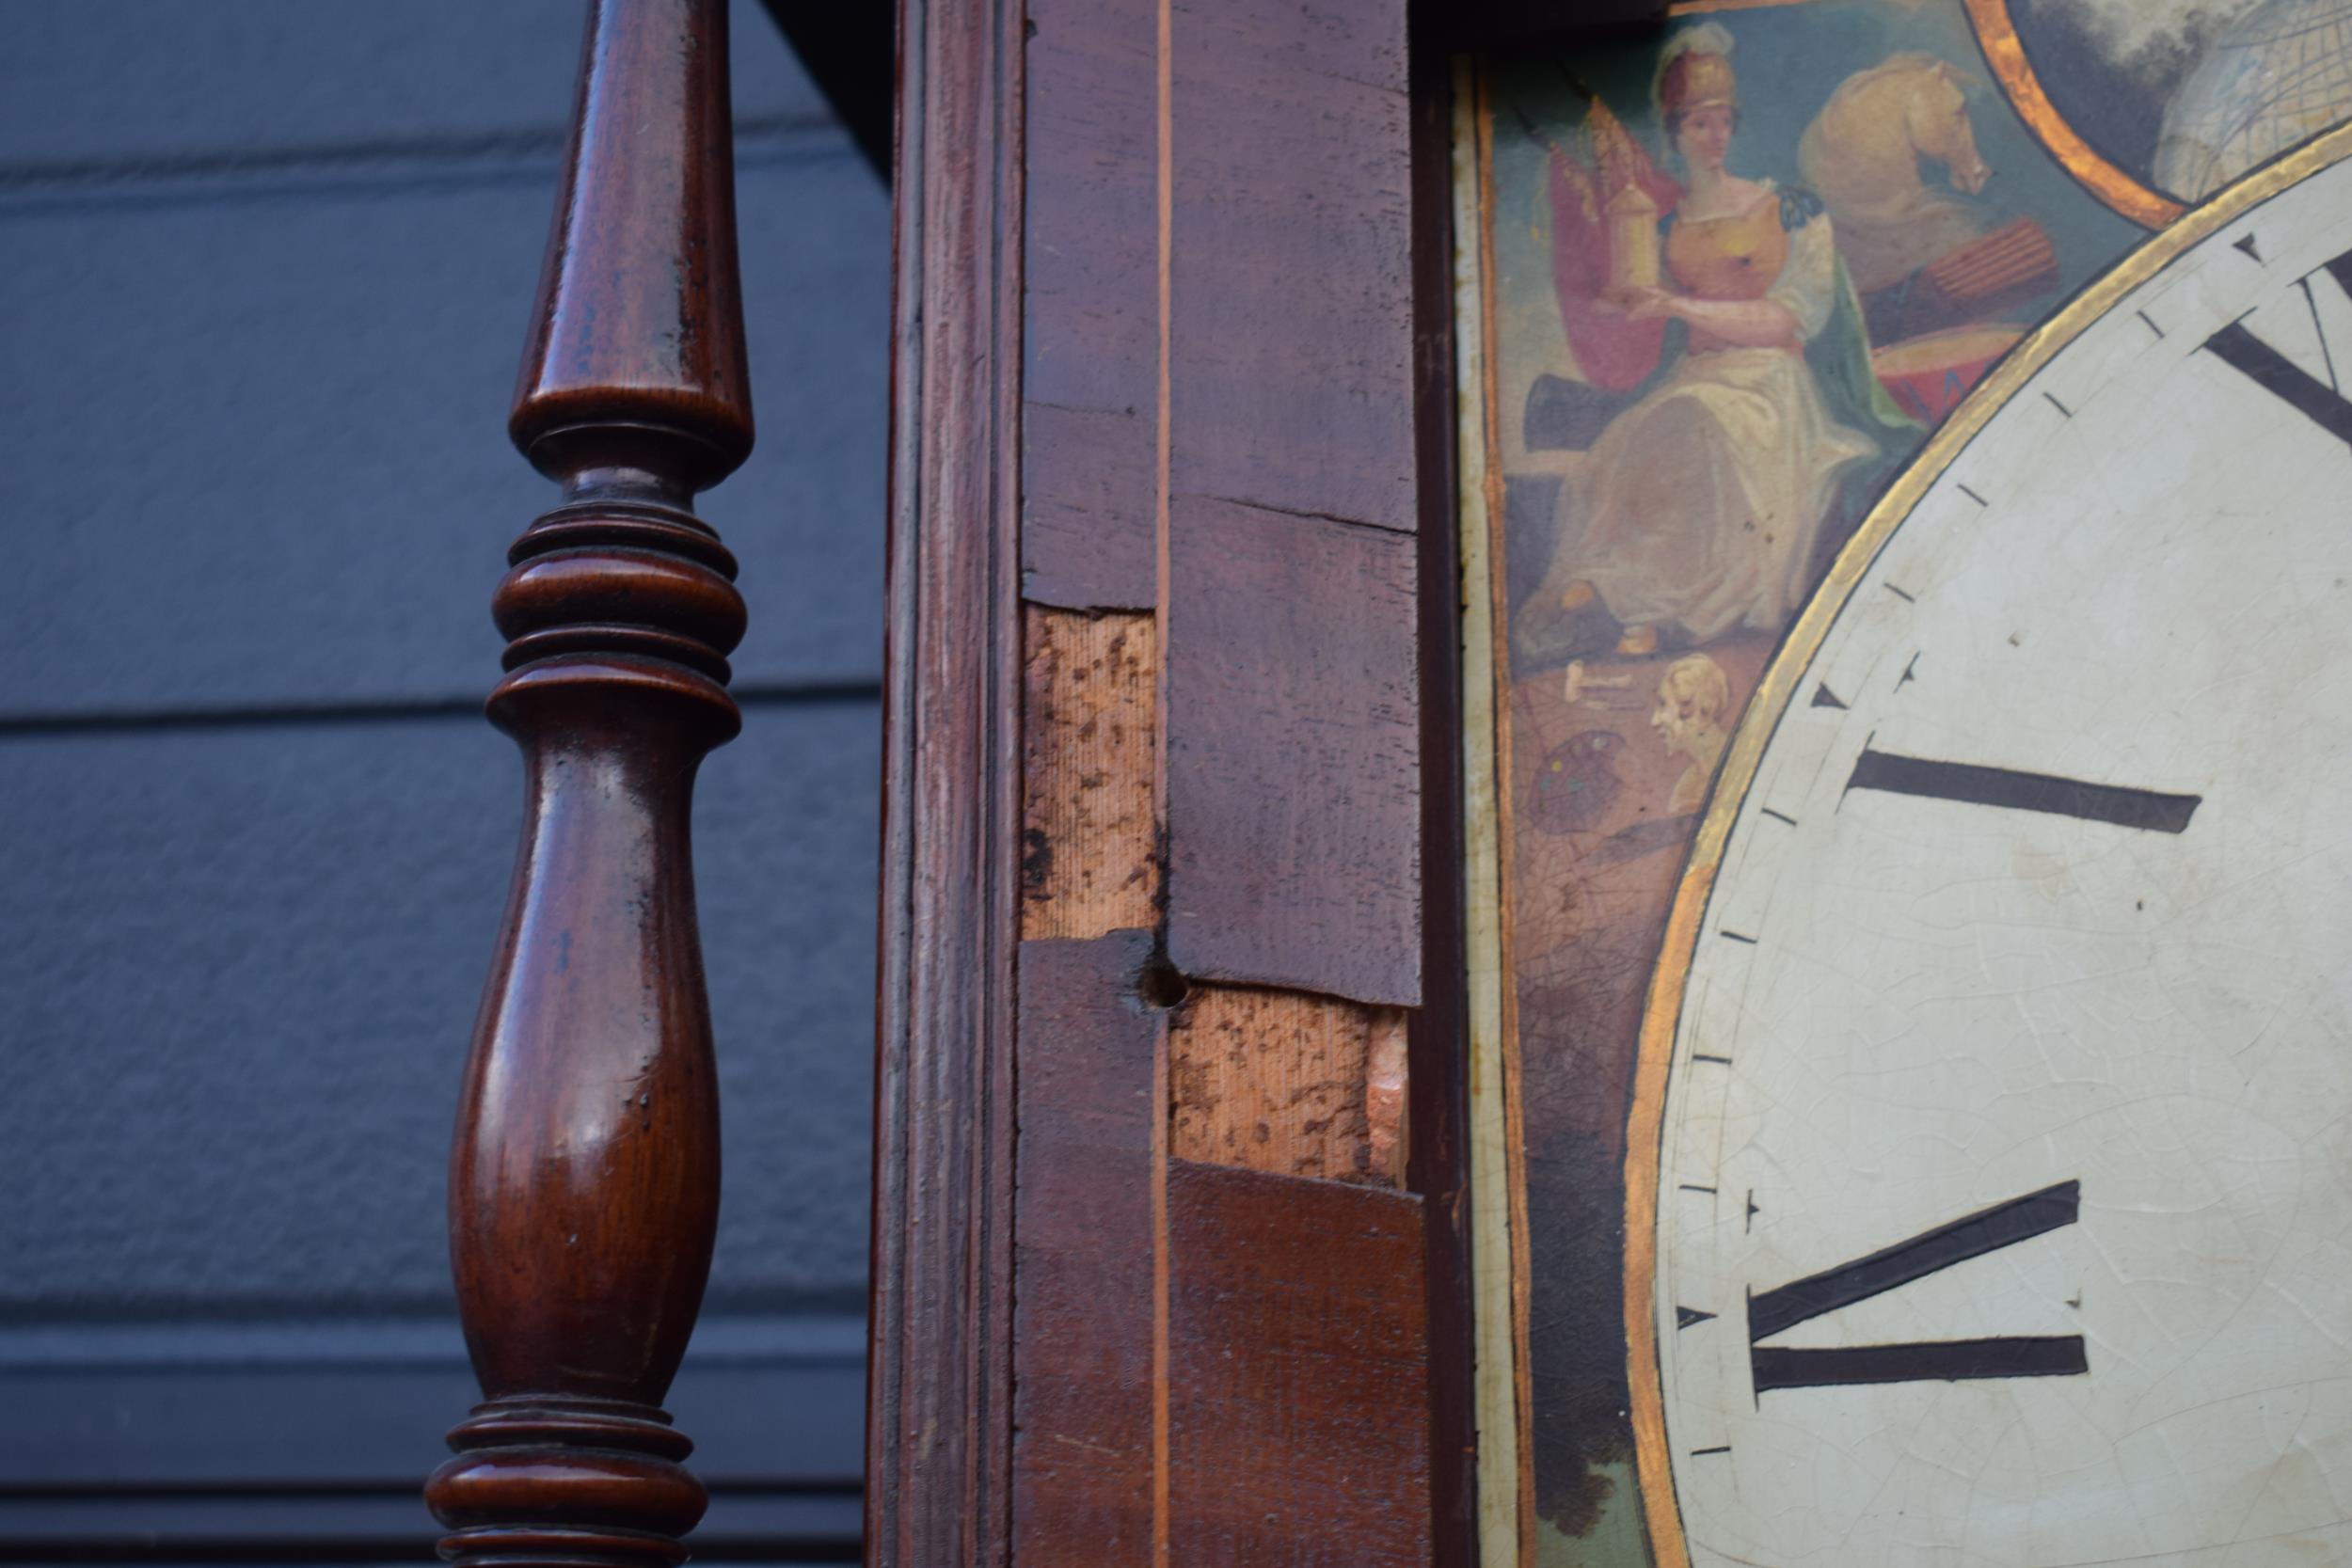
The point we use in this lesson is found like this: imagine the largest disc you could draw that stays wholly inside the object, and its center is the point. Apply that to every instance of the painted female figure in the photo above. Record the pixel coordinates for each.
(1708, 506)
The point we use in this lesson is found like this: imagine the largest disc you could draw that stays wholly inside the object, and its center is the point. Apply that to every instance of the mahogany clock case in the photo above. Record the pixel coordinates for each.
(1214, 323)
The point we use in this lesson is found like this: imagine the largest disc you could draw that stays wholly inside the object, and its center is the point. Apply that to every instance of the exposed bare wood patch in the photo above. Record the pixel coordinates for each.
(1283, 1081)
(1088, 864)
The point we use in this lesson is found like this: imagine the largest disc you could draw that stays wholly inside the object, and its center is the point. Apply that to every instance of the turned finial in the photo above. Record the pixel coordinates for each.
(584, 1179)
(636, 351)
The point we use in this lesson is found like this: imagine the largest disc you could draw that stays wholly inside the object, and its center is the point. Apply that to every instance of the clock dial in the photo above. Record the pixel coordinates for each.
(1995, 1149)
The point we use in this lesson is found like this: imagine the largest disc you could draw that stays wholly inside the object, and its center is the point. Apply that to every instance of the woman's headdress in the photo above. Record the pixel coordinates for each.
(1695, 71)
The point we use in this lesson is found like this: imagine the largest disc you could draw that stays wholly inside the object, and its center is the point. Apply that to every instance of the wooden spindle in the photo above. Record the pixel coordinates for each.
(584, 1182)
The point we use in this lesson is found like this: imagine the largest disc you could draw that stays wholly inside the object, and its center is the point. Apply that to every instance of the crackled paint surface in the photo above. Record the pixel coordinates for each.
(2083, 947)
(1618, 689)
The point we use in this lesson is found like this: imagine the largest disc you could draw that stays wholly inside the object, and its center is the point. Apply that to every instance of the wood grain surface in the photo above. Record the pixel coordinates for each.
(583, 1192)
(939, 1429)
(1294, 752)
(1219, 811)
(1089, 856)
(1297, 1373)
(1290, 332)
(1083, 1450)
(1293, 790)
(1090, 332)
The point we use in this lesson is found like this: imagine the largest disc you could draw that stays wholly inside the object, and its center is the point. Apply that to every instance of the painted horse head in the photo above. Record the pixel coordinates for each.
(1865, 146)
(1935, 121)
(1869, 155)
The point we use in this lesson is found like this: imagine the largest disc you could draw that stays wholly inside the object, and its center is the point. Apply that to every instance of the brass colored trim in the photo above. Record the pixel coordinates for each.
(2005, 57)
(1661, 1020)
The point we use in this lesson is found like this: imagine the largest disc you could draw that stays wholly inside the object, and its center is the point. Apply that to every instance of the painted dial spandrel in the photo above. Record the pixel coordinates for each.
(2005, 1166)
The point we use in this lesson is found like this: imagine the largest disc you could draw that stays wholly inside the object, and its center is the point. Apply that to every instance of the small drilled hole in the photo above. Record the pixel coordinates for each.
(1159, 985)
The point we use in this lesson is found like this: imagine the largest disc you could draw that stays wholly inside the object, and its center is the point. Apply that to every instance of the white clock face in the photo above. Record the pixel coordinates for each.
(2003, 1199)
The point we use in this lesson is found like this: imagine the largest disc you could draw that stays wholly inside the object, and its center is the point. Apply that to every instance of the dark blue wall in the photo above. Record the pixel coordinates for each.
(266, 268)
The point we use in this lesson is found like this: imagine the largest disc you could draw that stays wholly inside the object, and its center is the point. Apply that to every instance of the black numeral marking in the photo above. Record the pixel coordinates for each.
(1930, 1361)
(1975, 785)
(2320, 402)
(2004, 1225)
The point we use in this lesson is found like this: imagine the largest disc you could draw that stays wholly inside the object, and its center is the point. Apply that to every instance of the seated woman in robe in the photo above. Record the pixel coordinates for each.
(1709, 505)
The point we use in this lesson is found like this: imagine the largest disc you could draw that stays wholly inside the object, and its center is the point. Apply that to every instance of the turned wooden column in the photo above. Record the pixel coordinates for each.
(584, 1182)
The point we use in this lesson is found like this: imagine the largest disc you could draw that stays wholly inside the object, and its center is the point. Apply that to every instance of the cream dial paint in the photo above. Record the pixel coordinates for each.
(2003, 1182)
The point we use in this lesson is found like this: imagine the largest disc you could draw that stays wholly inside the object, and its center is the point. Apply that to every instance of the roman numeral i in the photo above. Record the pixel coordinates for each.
(2004, 1225)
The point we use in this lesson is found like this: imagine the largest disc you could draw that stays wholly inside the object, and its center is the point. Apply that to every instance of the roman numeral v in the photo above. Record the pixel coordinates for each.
(1938, 1360)
(2323, 402)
